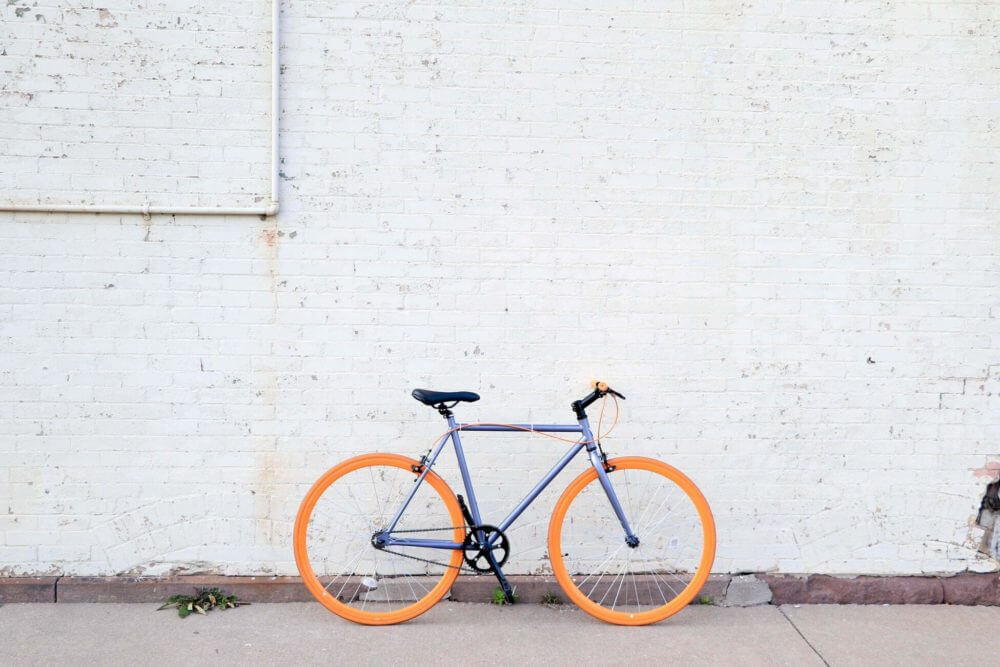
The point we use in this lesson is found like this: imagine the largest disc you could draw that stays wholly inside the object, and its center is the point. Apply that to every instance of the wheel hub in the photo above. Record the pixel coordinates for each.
(378, 540)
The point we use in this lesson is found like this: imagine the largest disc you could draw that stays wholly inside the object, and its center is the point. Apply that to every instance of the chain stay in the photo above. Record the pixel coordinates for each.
(428, 560)
(425, 560)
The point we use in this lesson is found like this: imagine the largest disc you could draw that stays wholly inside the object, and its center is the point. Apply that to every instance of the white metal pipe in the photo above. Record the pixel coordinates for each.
(269, 209)
(275, 101)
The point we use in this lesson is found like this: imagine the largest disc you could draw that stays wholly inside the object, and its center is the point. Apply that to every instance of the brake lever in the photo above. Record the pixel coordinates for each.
(615, 393)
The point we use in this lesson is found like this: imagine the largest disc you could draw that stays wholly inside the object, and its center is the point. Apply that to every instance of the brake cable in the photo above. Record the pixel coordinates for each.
(518, 427)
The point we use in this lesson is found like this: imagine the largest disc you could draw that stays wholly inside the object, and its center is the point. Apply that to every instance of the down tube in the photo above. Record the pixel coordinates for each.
(556, 469)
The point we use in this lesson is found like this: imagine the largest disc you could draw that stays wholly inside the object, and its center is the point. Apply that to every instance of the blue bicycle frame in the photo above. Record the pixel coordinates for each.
(587, 441)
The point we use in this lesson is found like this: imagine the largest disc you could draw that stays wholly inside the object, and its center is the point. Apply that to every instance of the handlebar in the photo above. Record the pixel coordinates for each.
(600, 390)
(605, 389)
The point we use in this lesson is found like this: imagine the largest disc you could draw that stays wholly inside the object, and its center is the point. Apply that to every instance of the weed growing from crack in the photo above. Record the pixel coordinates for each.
(551, 598)
(499, 598)
(203, 601)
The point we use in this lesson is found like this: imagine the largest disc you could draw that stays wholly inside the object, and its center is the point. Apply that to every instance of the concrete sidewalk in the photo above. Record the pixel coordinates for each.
(475, 634)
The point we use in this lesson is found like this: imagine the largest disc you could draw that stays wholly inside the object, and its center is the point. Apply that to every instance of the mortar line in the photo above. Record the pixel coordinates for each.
(781, 610)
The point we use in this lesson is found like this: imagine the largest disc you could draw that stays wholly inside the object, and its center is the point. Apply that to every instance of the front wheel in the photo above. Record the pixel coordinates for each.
(618, 583)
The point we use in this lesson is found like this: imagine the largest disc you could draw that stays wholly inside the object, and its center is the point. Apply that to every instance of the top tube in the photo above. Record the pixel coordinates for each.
(522, 428)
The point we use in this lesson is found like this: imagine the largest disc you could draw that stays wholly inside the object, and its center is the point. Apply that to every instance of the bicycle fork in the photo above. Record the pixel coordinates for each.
(600, 462)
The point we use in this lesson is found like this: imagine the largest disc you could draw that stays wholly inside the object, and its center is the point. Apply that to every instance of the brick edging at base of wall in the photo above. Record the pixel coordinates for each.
(966, 588)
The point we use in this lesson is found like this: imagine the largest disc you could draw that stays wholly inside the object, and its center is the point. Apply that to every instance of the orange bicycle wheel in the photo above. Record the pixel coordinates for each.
(334, 548)
(638, 585)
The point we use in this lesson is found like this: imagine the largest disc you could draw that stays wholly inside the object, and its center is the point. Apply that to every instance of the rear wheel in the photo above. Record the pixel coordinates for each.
(638, 585)
(334, 540)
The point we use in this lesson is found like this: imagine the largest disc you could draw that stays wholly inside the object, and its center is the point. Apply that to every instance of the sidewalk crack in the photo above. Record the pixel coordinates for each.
(781, 610)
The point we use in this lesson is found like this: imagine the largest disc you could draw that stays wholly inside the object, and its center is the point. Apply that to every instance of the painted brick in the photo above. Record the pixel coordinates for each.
(772, 227)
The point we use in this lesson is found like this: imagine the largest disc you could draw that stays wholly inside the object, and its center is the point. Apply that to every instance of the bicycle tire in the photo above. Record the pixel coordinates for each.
(332, 601)
(574, 590)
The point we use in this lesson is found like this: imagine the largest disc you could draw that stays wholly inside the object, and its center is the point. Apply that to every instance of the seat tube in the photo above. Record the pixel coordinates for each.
(602, 475)
(464, 469)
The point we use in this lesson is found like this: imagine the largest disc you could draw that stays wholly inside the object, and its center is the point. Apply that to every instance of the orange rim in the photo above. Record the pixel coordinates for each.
(312, 582)
(652, 615)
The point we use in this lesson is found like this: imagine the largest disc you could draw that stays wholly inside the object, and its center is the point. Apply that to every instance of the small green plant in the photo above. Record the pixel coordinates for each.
(706, 599)
(203, 601)
(499, 598)
(551, 598)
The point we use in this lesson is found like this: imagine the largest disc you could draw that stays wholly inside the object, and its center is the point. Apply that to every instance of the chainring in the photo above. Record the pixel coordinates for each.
(475, 553)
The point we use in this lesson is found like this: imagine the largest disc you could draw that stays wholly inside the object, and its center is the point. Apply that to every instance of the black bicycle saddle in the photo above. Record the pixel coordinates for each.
(428, 397)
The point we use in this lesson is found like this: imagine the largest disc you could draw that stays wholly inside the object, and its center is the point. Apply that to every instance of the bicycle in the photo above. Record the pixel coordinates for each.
(367, 559)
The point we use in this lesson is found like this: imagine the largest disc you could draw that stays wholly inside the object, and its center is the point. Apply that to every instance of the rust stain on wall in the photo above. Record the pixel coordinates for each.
(268, 237)
(991, 470)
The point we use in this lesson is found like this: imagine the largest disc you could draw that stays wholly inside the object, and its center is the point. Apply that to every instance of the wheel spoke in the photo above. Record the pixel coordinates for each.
(347, 576)
(610, 586)
(371, 474)
(646, 515)
(666, 583)
(662, 594)
(624, 576)
(603, 563)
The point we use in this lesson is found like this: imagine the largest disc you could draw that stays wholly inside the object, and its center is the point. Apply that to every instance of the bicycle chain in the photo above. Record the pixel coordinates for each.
(425, 560)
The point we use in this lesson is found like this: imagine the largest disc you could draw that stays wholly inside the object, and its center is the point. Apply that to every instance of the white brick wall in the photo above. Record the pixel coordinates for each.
(772, 225)
(121, 102)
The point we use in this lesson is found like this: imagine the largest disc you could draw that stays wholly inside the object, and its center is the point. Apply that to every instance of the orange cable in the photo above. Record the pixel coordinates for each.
(544, 433)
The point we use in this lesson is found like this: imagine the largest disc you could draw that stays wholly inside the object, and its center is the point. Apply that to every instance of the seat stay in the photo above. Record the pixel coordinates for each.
(428, 464)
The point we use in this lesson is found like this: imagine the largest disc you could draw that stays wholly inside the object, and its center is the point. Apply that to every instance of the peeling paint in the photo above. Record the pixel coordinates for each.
(990, 470)
(106, 19)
